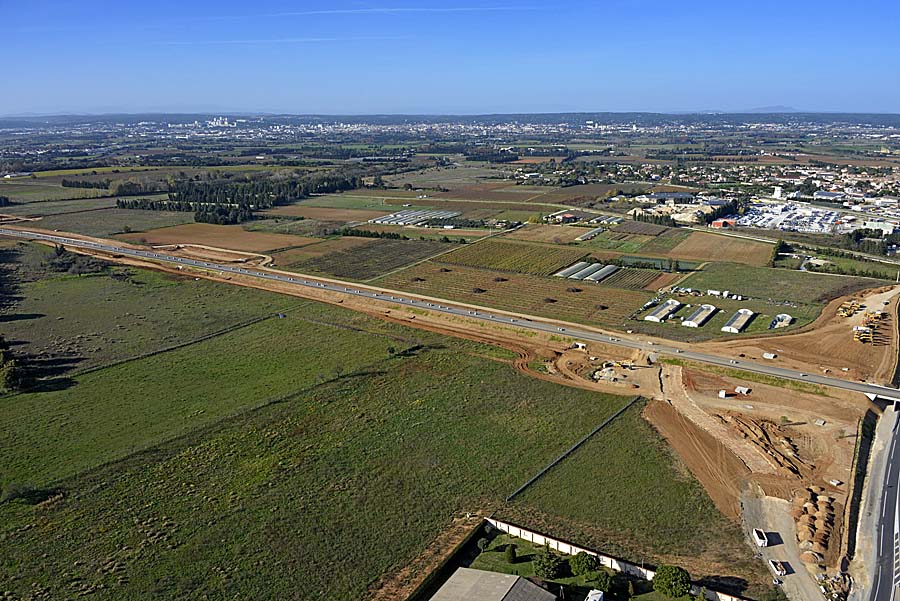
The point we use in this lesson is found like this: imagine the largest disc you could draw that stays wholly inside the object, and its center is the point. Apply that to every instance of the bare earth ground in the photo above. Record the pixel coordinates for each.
(828, 342)
(547, 233)
(232, 237)
(701, 246)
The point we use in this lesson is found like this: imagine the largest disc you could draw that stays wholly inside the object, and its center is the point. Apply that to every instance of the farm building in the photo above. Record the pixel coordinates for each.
(664, 311)
(589, 270)
(699, 316)
(466, 584)
(738, 321)
(569, 216)
(571, 269)
(782, 320)
(602, 274)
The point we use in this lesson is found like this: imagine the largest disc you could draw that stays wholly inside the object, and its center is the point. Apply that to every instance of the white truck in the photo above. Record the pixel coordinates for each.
(760, 538)
(778, 567)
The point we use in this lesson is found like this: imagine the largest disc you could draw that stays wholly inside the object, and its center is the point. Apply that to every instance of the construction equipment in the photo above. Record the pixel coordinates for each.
(848, 308)
(863, 335)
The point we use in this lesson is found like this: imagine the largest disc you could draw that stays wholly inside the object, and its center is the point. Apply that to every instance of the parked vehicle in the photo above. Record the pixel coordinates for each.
(760, 538)
(778, 567)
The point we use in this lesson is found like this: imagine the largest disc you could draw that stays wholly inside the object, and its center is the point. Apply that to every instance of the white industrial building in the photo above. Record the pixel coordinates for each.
(699, 316)
(664, 311)
(738, 321)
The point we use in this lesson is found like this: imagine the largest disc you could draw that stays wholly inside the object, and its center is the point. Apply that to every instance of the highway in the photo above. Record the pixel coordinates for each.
(887, 570)
(569, 330)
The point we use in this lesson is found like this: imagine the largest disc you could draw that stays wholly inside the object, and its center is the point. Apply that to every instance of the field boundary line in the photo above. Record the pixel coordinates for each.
(573, 448)
(180, 345)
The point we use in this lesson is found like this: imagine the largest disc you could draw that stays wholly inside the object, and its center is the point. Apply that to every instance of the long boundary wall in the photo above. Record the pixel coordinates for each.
(610, 562)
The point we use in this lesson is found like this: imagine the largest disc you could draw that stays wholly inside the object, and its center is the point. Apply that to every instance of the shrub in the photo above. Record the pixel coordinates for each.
(672, 581)
(547, 564)
(603, 581)
(483, 544)
(583, 563)
(510, 553)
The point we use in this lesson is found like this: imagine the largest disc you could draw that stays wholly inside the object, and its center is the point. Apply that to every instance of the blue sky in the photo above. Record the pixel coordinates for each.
(352, 57)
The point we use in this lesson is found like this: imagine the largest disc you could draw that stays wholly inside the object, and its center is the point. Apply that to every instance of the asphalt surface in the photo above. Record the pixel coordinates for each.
(527, 323)
(887, 571)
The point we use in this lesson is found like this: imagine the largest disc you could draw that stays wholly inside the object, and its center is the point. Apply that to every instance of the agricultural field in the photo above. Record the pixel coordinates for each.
(701, 246)
(292, 256)
(546, 297)
(636, 501)
(630, 278)
(326, 214)
(232, 237)
(67, 323)
(776, 284)
(519, 257)
(641, 228)
(558, 234)
(293, 473)
(55, 207)
(34, 191)
(618, 242)
(108, 222)
(368, 261)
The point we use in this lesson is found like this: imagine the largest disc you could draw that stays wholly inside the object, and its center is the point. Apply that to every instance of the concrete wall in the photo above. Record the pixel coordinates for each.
(610, 562)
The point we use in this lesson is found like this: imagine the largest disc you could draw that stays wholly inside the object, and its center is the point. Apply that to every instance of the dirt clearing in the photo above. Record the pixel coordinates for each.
(231, 237)
(700, 246)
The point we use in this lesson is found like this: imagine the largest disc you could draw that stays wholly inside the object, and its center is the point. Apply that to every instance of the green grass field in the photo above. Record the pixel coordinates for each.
(776, 284)
(118, 318)
(284, 475)
(372, 260)
(53, 207)
(635, 500)
(33, 191)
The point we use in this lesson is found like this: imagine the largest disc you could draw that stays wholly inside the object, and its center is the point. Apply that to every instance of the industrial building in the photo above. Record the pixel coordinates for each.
(738, 321)
(664, 311)
(699, 316)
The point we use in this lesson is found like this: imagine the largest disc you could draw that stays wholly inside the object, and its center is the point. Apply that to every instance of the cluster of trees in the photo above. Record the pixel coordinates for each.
(837, 269)
(657, 219)
(226, 202)
(13, 375)
(83, 183)
(354, 233)
(64, 261)
(457, 222)
(867, 241)
(730, 208)
(780, 247)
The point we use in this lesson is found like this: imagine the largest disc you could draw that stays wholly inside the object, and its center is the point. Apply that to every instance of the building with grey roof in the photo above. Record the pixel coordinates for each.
(467, 584)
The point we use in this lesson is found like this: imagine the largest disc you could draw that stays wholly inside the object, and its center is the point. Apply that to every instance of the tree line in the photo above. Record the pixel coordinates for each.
(102, 184)
(228, 202)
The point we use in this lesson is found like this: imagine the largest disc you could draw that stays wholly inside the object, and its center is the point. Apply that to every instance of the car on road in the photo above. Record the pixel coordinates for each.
(733, 362)
(561, 329)
(678, 350)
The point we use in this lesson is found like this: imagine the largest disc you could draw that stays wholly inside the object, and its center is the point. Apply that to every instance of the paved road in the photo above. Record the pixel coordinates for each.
(568, 330)
(887, 571)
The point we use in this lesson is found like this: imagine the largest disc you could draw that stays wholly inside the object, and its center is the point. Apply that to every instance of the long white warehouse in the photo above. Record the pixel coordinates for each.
(664, 311)
(699, 316)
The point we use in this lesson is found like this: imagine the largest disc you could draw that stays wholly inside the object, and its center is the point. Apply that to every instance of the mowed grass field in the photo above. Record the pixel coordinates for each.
(557, 298)
(520, 257)
(371, 260)
(626, 478)
(295, 458)
(54, 207)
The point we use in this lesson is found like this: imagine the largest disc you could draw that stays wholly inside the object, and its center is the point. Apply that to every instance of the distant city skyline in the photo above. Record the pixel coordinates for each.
(477, 57)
